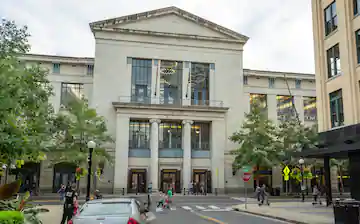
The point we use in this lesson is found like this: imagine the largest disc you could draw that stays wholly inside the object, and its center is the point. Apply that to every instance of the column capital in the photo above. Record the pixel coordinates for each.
(155, 121)
(187, 122)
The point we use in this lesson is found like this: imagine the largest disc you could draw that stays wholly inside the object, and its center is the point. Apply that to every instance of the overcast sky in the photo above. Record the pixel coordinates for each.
(280, 31)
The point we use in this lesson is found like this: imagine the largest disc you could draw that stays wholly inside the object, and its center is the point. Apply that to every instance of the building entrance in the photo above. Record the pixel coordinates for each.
(170, 179)
(202, 179)
(137, 181)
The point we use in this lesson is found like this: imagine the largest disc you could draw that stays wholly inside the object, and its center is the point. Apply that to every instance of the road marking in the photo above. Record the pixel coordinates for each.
(216, 210)
(208, 218)
(186, 208)
(213, 207)
(200, 207)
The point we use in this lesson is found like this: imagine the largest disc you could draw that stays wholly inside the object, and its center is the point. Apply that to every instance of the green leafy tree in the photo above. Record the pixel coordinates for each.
(25, 112)
(294, 136)
(76, 125)
(257, 141)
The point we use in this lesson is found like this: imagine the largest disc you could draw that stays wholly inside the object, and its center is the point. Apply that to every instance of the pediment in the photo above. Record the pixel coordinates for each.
(170, 20)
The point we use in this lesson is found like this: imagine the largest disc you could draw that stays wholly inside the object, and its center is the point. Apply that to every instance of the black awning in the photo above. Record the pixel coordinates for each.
(340, 150)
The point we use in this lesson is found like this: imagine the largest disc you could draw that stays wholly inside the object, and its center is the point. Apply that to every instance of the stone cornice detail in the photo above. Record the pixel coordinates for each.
(155, 121)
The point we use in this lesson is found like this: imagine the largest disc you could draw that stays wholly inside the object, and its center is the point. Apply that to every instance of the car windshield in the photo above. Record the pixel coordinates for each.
(106, 208)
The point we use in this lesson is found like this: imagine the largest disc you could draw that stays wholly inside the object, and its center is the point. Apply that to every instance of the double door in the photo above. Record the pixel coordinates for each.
(170, 179)
(202, 178)
(63, 177)
(137, 181)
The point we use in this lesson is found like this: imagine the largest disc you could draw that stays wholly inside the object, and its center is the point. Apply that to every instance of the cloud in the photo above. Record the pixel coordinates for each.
(280, 31)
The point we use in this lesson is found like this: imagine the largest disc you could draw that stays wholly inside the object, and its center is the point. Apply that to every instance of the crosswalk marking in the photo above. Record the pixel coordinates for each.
(200, 207)
(186, 207)
(213, 207)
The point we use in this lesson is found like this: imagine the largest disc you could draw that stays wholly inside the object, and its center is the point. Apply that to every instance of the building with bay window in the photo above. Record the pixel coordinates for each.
(172, 88)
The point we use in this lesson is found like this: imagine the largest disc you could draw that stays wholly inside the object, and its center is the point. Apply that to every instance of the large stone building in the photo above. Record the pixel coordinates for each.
(172, 88)
(336, 27)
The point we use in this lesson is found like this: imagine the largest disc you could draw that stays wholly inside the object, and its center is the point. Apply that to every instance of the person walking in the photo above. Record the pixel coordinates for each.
(61, 192)
(69, 203)
(190, 188)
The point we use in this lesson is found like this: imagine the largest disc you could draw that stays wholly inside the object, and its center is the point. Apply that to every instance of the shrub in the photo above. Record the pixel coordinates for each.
(11, 217)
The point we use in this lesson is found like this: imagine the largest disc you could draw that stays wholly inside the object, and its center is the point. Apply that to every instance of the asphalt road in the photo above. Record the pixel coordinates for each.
(206, 210)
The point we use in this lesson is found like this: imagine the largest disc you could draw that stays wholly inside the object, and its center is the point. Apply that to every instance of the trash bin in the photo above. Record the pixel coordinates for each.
(346, 212)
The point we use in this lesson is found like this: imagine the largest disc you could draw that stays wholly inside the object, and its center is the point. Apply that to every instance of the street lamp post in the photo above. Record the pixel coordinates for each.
(91, 145)
(301, 162)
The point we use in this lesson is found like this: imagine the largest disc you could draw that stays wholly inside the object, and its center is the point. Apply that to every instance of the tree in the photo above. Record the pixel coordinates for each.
(76, 125)
(25, 112)
(257, 141)
(294, 136)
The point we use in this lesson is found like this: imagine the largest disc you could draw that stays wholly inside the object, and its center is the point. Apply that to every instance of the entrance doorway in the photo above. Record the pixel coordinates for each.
(170, 179)
(137, 181)
(203, 177)
(64, 173)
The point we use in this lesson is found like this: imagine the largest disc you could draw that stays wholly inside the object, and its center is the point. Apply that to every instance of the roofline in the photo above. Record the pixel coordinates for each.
(278, 73)
(166, 11)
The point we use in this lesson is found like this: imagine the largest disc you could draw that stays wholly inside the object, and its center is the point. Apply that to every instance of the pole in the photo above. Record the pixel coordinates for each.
(217, 180)
(245, 195)
(302, 183)
(89, 175)
(286, 187)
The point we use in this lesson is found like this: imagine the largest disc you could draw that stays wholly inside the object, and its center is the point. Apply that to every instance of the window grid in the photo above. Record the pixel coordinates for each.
(271, 82)
(56, 68)
(333, 61)
(330, 18)
(261, 99)
(310, 111)
(357, 41)
(356, 5)
(170, 135)
(90, 70)
(336, 108)
(139, 134)
(199, 82)
(71, 91)
(297, 83)
(141, 73)
(245, 80)
(200, 136)
(285, 107)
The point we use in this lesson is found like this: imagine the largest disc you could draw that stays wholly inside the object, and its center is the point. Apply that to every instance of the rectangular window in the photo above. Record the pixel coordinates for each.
(245, 80)
(310, 113)
(356, 6)
(333, 61)
(141, 73)
(171, 73)
(261, 99)
(271, 82)
(331, 22)
(139, 134)
(200, 136)
(90, 70)
(56, 68)
(336, 108)
(357, 41)
(285, 107)
(170, 135)
(71, 92)
(199, 81)
(297, 83)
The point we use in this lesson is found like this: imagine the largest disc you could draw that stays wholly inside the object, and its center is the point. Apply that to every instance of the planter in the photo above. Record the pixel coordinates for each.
(11, 217)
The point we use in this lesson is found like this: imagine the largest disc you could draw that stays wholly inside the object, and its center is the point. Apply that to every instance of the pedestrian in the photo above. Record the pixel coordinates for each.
(190, 186)
(150, 187)
(69, 203)
(315, 194)
(169, 197)
(257, 193)
(202, 188)
(61, 192)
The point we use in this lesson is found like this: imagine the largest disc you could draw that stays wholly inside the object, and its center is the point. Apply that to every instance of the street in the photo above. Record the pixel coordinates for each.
(188, 209)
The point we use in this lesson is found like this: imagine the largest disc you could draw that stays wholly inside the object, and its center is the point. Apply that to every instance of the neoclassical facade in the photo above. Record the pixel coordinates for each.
(172, 88)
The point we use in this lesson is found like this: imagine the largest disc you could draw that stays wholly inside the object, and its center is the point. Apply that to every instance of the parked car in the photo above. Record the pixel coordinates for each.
(111, 211)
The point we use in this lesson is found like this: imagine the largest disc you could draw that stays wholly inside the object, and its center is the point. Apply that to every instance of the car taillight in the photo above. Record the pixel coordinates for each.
(70, 222)
(132, 221)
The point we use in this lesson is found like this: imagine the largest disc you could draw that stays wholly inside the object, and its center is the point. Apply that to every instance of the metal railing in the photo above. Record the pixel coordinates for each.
(169, 102)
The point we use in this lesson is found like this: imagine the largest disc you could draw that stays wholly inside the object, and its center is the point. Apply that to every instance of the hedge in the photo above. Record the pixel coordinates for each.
(11, 217)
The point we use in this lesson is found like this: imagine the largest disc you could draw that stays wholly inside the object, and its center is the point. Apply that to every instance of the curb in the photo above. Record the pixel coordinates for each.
(271, 216)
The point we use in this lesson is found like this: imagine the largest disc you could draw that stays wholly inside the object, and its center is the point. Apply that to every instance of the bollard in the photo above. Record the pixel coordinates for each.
(184, 191)
(123, 191)
(216, 193)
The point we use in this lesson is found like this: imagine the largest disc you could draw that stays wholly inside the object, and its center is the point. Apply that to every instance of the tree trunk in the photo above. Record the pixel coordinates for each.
(341, 180)
(257, 175)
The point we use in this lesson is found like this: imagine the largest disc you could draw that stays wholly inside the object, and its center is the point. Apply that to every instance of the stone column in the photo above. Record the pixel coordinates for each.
(154, 149)
(187, 152)
(121, 153)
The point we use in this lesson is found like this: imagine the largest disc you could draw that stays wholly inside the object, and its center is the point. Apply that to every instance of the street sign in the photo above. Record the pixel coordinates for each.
(246, 177)
(286, 177)
(286, 170)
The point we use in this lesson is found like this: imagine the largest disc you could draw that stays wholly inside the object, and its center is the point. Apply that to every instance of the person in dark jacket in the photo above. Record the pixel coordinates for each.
(69, 203)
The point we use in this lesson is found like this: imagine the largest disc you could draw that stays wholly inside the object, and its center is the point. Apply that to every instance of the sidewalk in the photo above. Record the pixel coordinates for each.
(294, 212)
